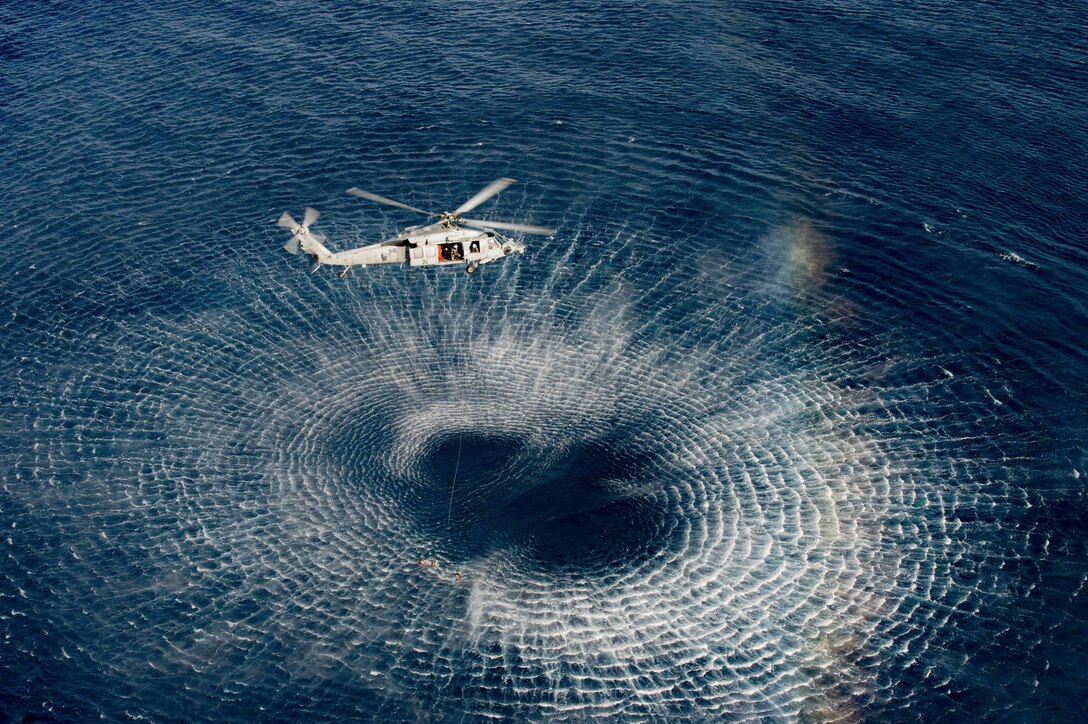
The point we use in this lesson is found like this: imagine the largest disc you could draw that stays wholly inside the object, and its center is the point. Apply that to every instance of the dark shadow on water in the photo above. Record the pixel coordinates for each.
(569, 509)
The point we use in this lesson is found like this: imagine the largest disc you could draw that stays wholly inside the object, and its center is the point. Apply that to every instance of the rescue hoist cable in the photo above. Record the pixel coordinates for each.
(453, 486)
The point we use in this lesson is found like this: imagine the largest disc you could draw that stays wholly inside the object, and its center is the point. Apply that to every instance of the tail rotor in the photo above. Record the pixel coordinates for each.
(300, 232)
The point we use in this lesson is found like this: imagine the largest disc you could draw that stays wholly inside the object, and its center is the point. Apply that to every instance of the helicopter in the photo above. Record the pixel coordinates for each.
(452, 239)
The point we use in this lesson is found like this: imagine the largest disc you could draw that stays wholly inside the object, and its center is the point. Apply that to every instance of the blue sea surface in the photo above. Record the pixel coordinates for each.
(785, 422)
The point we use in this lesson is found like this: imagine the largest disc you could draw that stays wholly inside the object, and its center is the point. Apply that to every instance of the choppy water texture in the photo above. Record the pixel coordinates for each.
(785, 422)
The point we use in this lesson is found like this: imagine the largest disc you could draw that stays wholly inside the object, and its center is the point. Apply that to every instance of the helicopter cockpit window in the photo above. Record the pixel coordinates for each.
(474, 247)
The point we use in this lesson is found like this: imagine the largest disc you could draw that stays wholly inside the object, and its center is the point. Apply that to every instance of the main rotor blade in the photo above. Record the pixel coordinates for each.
(484, 194)
(291, 247)
(382, 200)
(507, 225)
(310, 217)
(287, 221)
(426, 229)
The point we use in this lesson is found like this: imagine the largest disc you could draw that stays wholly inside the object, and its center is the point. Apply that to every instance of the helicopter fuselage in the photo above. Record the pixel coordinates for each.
(452, 239)
(434, 247)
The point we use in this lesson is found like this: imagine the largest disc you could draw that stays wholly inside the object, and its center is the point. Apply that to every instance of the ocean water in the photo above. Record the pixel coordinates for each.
(785, 422)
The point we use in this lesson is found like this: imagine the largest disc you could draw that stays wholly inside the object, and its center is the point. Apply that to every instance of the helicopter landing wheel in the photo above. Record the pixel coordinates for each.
(343, 273)
(470, 269)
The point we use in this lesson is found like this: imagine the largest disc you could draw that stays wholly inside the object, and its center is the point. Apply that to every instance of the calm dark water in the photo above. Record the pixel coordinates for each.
(785, 422)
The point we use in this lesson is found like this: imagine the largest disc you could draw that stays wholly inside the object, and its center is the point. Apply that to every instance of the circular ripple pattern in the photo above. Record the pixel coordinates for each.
(740, 442)
(743, 527)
